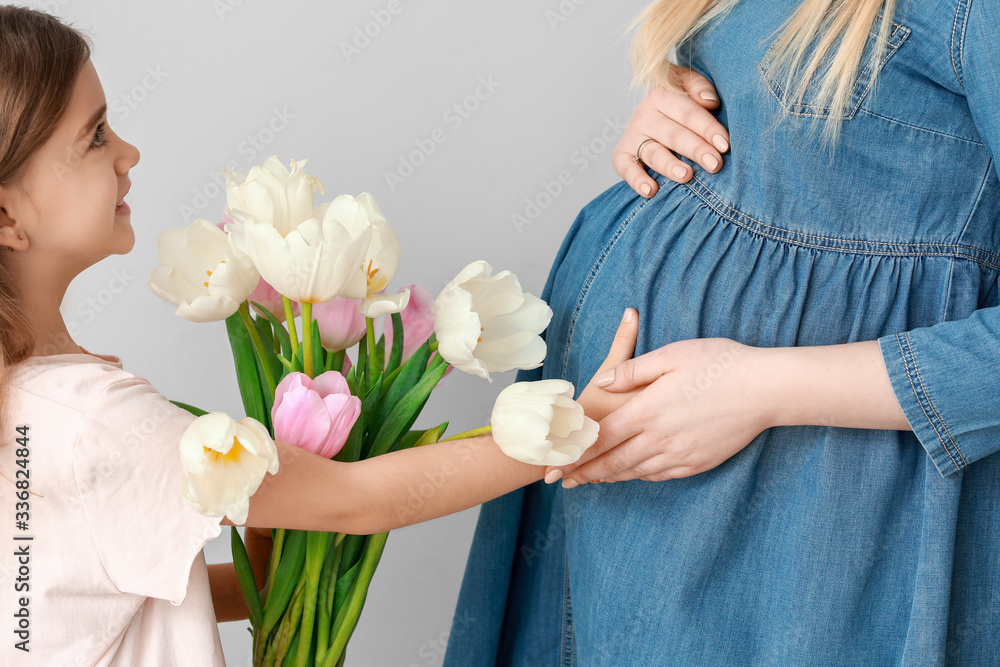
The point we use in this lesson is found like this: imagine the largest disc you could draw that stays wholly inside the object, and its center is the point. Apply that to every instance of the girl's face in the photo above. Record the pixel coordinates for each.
(67, 202)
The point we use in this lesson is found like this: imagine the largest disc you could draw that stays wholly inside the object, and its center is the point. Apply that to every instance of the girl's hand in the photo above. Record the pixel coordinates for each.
(598, 403)
(702, 405)
(258, 544)
(678, 122)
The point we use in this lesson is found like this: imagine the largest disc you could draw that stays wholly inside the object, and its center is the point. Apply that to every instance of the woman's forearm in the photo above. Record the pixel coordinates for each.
(830, 385)
(434, 480)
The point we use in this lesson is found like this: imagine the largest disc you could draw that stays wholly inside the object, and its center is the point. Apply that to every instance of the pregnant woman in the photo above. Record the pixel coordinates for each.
(806, 472)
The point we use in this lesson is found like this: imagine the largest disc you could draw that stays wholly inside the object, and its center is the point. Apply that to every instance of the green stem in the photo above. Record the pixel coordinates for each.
(482, 430)
(259, 345)
(290, 320)
(316, 546)
(433, 346)
(371, 349)
(348, 617)
(307, 338)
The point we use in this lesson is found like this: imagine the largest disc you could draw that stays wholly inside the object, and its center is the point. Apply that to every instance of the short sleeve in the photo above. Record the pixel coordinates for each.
(127, 465)
(947, 376)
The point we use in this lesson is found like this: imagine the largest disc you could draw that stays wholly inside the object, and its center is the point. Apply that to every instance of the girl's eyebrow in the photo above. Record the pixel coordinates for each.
(92, 122)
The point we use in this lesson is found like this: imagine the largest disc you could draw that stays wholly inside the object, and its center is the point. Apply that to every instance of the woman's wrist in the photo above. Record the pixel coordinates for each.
(828, 385)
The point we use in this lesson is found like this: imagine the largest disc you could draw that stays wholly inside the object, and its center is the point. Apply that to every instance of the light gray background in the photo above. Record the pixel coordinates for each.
(359, 89)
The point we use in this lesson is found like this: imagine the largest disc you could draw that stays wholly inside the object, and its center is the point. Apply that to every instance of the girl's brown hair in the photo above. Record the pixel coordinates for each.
(40, 59)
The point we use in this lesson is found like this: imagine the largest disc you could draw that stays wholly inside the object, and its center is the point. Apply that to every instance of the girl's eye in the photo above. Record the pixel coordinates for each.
(99, 139)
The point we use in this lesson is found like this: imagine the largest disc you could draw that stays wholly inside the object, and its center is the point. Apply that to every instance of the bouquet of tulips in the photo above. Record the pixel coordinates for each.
(331, 265)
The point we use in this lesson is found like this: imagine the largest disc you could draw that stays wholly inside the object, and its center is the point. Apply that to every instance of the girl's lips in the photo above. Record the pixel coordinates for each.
(123, 209)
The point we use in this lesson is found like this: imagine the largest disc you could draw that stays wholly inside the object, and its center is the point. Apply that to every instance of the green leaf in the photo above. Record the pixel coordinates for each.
(247, 374)
(319, 361)
(197, 412)
(380, 353)
(280, 330)
(344, 584)
(396, 354)
(293, 559)
(405, 412)
(369, 406)
(245, 576)
(429, 436)
(409, 375)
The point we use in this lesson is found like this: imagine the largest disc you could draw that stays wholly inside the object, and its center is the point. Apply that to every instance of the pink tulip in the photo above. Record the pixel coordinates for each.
(418, 322)
(314, 414)
(340, 323)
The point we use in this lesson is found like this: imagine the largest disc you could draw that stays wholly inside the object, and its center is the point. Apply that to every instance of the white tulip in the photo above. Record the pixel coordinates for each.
(540, 423)
(381, 261)
(273, 194)
(225, 461)
(321, 258)
(201, 273)
(488, 324)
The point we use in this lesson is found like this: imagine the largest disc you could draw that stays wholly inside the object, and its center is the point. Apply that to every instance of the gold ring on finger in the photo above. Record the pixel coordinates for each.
(638, 151)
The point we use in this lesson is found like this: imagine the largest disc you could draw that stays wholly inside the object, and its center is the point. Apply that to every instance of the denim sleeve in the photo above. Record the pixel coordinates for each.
(947, 376)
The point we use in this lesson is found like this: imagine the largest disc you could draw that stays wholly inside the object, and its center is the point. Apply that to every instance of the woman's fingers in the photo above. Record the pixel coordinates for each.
(614, 458)
(634, 373)
(698, 88)
(677, 123)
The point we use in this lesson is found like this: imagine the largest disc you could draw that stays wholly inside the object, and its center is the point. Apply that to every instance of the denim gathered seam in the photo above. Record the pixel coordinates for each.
(567, 625)
(585, 288)
(854, 246)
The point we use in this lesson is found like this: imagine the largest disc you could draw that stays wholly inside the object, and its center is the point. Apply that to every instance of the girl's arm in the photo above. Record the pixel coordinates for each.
(226, 594)
(310, 492)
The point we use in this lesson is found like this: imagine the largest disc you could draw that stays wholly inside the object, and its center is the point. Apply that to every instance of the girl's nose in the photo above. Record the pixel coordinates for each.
(127, 158)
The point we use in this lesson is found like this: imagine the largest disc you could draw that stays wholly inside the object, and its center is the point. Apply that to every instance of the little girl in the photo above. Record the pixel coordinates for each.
(102, 558)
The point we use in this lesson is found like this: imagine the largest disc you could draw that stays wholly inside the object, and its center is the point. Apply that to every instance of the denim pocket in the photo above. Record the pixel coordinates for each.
(862, 83)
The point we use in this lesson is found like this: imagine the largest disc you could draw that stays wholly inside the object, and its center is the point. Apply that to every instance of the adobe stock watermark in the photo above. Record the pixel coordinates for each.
(224, 8)
(562, 12)
(579, 161)
(123, 105)
(454, 117)
(432, 651)
(433, 481)
(248, 149)
(369, 31)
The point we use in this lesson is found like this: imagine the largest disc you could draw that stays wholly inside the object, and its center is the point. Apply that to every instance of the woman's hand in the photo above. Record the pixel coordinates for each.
(678, 122)
(700, 403)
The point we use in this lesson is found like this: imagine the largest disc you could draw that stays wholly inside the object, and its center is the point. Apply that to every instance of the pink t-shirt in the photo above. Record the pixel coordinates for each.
(114, 566)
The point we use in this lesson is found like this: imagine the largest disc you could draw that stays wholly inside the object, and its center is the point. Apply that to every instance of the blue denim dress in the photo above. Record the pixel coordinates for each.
(814, 545)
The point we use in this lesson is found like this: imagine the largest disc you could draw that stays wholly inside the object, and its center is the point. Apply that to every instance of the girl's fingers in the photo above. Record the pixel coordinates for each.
(622, 349)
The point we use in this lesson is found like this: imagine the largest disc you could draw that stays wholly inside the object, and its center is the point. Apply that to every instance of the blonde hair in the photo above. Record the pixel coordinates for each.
(40, 59)
(666, 24)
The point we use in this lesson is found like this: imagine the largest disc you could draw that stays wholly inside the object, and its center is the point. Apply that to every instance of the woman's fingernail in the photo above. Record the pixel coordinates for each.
(629, 314)
(720, 143)
(709, 95)
(680, 172)
(711, 162)
(645, 189)
(570, 483)
(554, 476)
(605, 378)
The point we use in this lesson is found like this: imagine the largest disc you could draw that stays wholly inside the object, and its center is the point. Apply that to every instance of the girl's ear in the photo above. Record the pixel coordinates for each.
(9, 228)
